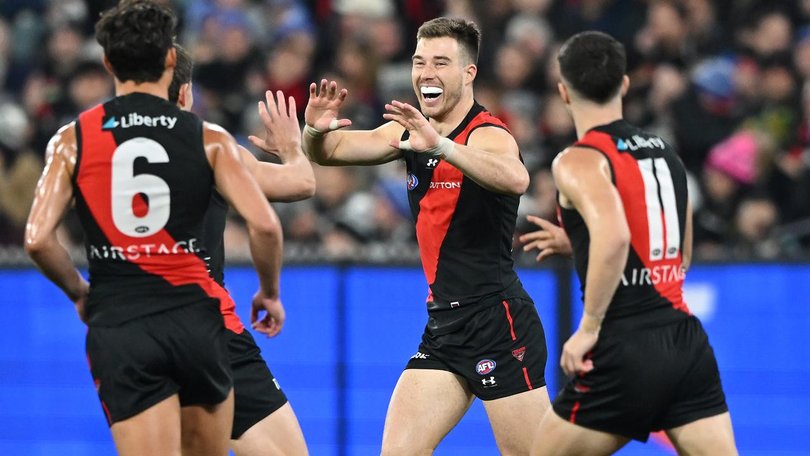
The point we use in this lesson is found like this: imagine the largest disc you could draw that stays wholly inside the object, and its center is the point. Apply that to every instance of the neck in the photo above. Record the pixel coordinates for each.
(447, 123)
(159, 88)
(588, 115)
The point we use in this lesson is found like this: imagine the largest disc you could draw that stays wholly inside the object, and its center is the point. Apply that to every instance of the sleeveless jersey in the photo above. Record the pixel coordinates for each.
(464, 231)
(142, 183)
(212, 237)
(651, 181)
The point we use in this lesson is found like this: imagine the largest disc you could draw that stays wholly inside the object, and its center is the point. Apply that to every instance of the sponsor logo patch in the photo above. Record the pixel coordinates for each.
(412, 181)
(485, 366)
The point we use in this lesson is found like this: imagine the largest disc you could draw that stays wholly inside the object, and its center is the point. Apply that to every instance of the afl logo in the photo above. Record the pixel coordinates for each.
(485, 366)
(412, 181)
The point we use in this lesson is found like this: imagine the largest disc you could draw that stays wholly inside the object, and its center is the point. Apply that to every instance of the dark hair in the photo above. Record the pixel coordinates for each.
(465, 32)
(182, 72)
(136, 36)
(593, 64)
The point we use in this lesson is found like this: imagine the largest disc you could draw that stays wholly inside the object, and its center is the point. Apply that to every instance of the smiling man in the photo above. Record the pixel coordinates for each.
(483, 336)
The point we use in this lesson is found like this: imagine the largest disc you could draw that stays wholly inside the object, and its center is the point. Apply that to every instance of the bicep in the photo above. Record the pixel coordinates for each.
(52, 197)
(496, 141)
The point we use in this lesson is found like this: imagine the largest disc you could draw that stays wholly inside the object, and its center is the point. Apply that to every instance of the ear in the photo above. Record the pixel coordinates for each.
(182, 97)
(566, 98)
(625, 85)
(171, 58)
(469, 73)
(108, 65)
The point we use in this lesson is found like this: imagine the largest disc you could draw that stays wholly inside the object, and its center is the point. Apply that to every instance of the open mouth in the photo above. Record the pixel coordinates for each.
(431, 95)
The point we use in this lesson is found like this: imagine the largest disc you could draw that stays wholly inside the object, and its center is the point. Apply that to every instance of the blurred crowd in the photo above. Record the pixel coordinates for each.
(726, 82)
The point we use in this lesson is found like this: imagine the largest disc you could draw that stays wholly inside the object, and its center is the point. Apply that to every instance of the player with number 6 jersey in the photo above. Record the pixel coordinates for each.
(141, 172)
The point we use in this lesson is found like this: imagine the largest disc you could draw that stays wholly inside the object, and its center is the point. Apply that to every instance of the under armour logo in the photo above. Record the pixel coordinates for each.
(488, 382)
(432, 162)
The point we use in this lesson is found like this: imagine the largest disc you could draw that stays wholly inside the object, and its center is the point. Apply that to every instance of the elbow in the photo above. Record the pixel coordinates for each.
(34, 246)
(268, 226)
(519, 184)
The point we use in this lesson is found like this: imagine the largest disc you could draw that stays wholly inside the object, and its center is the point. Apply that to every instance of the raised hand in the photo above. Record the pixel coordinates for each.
(550, 239)
(323, 106)
(422, 136)
(282, 130)
(273, 320)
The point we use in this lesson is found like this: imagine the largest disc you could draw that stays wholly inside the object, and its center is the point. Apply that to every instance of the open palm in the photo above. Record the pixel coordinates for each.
(324, 105)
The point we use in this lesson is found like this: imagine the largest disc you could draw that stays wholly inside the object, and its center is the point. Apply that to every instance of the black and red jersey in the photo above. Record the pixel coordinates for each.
(651, 181)
(464, 231)
(213, 236)
(142, 184)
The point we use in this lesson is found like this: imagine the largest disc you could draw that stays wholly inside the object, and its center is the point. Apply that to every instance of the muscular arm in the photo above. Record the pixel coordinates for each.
(242, 192)
(292, 180)
(354, 147)
(687, 239)
(584, 180)
(491, 159)
(53, 196)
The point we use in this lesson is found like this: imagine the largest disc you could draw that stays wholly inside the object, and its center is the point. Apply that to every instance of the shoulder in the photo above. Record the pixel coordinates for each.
(63, 142)
(215, 133)
(492, 136)
(577, 159)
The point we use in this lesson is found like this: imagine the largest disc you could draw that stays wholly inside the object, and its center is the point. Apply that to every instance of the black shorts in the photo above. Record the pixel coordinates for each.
(257, 393)
(646, 380)
(148, 359)
(500, 350)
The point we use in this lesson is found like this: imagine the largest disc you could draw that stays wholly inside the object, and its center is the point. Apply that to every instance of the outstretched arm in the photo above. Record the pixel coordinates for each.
(324, 142)
(52, 198)
(583, 177)
(490, 158)
(293, 180)
(242, 192)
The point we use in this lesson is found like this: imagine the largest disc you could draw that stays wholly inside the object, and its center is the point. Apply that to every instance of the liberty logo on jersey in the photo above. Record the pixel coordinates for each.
(485, 366)
(136, 120)
(637, 142)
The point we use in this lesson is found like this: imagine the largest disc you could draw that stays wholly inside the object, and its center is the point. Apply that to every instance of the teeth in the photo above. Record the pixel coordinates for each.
(431, 91)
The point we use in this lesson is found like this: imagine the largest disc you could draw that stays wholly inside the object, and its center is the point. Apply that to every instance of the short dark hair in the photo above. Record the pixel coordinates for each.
(136, 36)
(593, 64)
(465, 32)
(182, 72)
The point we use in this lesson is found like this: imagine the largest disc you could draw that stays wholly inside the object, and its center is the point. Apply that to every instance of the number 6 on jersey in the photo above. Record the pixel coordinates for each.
(126, 186)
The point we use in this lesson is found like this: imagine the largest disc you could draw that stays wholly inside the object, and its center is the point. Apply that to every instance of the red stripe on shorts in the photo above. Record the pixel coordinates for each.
(573, 417)
(509, 318)
(526, 376)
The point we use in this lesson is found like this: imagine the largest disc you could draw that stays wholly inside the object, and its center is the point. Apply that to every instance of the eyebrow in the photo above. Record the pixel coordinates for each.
(440, 57)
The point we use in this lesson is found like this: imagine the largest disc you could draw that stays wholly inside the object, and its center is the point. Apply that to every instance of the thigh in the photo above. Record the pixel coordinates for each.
(257, 393)
(206, 429)
(708, 436)
(501, 351)
(278, 433)
(557, 437)
(515, 418)
(154, 431)
(195, 336)
(131, 369)
(698, 392)
(425, 406)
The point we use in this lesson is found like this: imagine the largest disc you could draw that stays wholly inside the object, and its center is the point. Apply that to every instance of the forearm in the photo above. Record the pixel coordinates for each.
(266, 249)
(320, 147)
(607, 257)
(55, 263)
(292, 181)
(494, 172)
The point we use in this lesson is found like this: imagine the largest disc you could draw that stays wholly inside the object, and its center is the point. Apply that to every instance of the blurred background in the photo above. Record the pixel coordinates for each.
(726, 82)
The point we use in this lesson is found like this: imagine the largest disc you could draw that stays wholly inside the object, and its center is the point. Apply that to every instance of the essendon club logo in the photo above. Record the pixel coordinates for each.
(518, 353)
